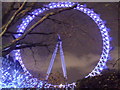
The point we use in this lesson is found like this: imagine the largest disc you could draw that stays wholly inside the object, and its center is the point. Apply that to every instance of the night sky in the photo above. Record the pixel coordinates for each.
(82, 41)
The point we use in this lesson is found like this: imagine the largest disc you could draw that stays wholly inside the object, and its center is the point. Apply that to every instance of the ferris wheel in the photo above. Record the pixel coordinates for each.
(34, 82)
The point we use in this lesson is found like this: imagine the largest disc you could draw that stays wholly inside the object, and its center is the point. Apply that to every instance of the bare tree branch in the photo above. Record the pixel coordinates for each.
(58, 21)
(31, 45)
(47, 47)
(23, 46)
(12, 45)
(12, 18)
(9, 32)
(33, 55)
(116, 62)
(54, 20)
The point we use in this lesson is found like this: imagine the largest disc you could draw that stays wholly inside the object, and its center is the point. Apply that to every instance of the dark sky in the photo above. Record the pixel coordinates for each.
(82, 41)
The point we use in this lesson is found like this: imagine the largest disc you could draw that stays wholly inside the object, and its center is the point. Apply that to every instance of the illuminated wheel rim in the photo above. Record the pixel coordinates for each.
(100, 23)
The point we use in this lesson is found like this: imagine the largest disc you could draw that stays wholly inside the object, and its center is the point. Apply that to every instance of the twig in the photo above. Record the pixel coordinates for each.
(116, 62)
(33, 54)
(54, 20)
(57, 21)
(12, 18)
(30, 45)
(48, 49)
(9, 32)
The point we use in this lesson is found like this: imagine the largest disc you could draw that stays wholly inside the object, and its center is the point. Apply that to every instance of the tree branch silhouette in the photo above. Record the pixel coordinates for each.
(12, 45)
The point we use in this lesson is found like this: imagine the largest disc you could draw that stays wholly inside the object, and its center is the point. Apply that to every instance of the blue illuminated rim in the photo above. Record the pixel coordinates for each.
(100, 23)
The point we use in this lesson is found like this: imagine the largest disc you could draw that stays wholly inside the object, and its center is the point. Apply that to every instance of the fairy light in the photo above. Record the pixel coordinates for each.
(21, 28)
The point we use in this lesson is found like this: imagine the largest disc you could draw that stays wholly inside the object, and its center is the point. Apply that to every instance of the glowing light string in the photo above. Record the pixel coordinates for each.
(100, 23)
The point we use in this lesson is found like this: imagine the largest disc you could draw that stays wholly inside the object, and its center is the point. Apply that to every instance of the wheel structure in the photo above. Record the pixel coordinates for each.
(34, 82)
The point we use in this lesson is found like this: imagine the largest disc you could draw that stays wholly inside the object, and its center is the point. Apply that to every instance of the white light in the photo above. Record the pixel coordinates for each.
(51, 7)
(97, 19)
(101, 68)
(63, 5)
(60, 86)
(85, 10)
(30, 18)
(39, 10)
(78, 7)
(102, 26)
(27, 20)
(16, 58)
(43, 9)
(94, 16)
(17, 54)
(20, 30)
(58, 5)
(104, 29)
